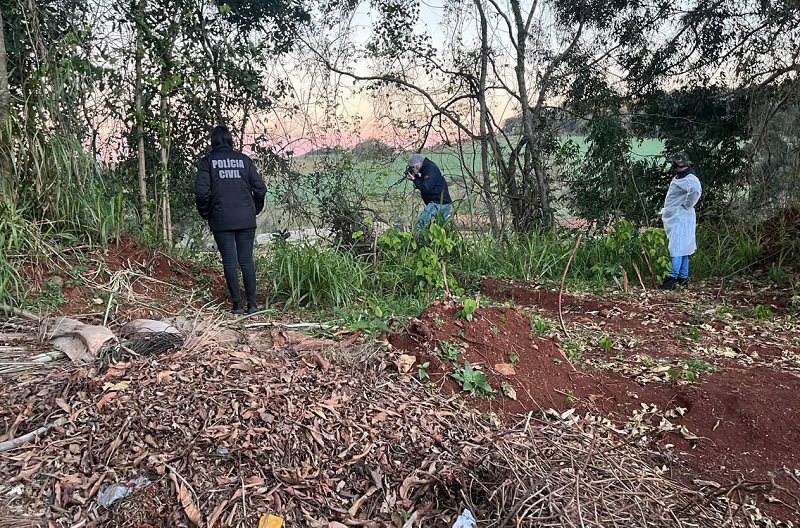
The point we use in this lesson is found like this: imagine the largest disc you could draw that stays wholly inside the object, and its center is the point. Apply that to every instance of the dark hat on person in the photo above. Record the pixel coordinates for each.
(416, 158)
(681, 159)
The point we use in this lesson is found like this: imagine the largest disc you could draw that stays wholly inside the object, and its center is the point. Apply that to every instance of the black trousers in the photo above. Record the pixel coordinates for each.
(236, 249)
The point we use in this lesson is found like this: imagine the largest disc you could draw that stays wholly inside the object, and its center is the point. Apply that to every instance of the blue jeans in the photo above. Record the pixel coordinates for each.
(680, 267)
(430, 212)
(236, 250)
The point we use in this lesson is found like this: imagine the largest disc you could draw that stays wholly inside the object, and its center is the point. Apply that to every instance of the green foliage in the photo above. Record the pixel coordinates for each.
(690, 369)
(448, 350)
(467, 309)
(656, 247)
(422, 370)
(540, 326)
(52, 297)
(333, 195)
(605, 343)
(692, 333)
(574, 352)
(724, 248)
(532, 256)
(709, 123)
(307, 275)
(53, 183)
(401, 252)
(472, 380)
(762, 312)
(622, 247)
(608, 183)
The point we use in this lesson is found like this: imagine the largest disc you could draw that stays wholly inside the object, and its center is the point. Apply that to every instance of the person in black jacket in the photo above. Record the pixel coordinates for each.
(426, 176)
(229, 193)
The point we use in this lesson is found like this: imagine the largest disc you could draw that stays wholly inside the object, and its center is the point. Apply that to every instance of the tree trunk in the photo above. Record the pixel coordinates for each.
(486, 181)
(139, 107)
(5, 94)
(5, 106)
(535, 193)
(166, 220)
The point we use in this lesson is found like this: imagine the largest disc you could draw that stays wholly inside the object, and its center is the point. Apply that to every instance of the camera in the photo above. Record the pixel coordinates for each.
(411, 171)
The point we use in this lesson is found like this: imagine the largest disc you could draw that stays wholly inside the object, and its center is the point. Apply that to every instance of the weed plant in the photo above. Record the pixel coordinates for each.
(304, 274)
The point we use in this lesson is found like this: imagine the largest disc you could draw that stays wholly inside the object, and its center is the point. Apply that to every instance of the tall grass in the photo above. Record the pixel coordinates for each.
(308, 275)
(725, 250)
(55, 180)
(53, 193)
(305, 275)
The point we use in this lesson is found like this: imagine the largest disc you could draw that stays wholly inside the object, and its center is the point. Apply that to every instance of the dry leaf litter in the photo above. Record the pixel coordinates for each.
(236, 423)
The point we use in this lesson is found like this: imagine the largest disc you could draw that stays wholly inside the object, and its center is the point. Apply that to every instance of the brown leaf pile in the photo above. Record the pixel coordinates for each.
(276, 424)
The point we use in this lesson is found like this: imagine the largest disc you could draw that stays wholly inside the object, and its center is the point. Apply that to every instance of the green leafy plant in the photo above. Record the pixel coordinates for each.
(493, 329)
(698, 365)
(422, 370)
(723, 312)
(472, 380)
(657, 247)
(690, 369)
(692, 333)
(762, 312)
(52, 296)
(372, 326)
(605, 343)
(467, 309)
(448, 350)
(574, 352)
(540, 326)
(513, 358)
(204, 279)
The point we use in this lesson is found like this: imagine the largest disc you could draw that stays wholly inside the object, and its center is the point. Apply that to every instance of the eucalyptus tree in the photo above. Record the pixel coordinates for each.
(48, 72)
(737, 67)
(195, 64)
(5, 95)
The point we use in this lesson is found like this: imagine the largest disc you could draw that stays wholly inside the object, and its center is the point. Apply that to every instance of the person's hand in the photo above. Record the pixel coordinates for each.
(410, 175)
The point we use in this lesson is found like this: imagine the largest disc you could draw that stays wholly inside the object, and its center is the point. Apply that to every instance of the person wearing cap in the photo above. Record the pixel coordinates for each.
(680, 220)
(229, 193)
(426, 176)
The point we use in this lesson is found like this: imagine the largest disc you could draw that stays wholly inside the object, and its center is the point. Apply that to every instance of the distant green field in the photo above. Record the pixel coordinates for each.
(453, 162)
(640, 149)
(394, 198)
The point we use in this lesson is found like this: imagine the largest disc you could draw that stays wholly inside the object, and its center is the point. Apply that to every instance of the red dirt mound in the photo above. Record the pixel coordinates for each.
(709, 388)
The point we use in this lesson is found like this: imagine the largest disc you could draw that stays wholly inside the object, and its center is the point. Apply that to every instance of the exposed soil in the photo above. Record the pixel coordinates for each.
(138, 280)
(711, 389)
(706, 379)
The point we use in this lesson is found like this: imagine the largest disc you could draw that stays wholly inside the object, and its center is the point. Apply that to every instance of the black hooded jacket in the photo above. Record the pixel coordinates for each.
(229, 191)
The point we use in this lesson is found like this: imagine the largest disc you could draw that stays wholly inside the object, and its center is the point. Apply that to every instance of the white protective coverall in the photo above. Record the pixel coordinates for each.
(678, 214)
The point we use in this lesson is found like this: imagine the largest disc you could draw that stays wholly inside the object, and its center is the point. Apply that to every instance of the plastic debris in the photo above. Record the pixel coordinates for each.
(119, 490)
(466, 520)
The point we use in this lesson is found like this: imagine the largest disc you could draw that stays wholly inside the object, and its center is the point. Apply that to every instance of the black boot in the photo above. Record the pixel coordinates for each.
(668, 283)
(682, 280)
(237, 307)
(252, 308)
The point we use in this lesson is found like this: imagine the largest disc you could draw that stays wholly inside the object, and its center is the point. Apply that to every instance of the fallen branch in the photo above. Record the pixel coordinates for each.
(17, 442)
(563, 280)
(19, 312)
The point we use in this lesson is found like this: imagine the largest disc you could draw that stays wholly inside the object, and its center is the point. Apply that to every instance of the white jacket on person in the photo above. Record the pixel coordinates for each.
(678, 215)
